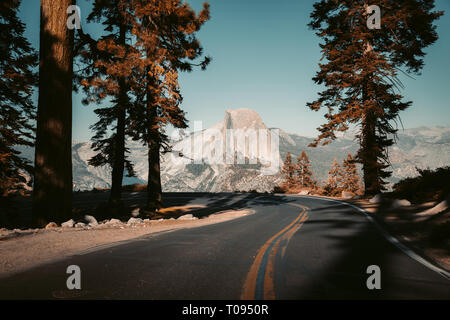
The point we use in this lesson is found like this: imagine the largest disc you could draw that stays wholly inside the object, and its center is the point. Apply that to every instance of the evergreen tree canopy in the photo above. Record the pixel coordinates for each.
(360, 72)
(17, 112)
(304, 173)
(350, 177)
(288, 170)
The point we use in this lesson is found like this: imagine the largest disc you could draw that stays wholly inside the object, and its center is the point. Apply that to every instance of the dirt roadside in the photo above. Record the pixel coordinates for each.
(25, 249)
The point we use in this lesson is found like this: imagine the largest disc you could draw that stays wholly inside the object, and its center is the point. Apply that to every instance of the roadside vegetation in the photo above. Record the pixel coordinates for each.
(298, 178)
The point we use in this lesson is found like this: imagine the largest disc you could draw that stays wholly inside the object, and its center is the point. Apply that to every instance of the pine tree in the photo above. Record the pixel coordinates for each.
(137, 64)
(108, 77)
(52, 194)
(17, 79)
(165, 32)
(288, 170)
(361, 72)
(305, 176)
(350, 176)
(333, 185)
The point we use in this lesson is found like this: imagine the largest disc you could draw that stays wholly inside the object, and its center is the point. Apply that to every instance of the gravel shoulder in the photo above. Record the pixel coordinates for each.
(21, 250)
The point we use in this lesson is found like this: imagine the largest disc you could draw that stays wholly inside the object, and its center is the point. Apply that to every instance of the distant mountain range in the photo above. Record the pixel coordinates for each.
(184, 169)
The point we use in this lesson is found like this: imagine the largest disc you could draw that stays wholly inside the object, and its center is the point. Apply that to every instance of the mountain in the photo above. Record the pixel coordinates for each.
(196, 162)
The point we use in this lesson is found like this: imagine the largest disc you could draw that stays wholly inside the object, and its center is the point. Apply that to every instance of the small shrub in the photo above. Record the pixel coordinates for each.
(430, 185)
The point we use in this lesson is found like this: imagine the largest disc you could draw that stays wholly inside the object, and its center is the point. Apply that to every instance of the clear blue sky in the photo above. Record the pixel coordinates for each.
(264, 57)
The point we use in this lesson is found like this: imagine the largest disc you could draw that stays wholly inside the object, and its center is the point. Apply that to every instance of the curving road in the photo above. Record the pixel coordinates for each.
(291, 248)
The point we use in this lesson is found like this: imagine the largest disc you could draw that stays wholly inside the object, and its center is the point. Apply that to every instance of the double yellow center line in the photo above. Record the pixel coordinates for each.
(260, 279)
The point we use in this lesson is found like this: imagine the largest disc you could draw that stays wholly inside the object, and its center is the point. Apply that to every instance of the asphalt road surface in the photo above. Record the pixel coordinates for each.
(291, 248)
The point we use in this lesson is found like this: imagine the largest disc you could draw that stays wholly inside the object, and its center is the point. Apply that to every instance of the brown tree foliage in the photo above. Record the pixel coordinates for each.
(288, 170)
(333, 185)
(137, 64)
(305, 177)
(350, 176)
(360, 72)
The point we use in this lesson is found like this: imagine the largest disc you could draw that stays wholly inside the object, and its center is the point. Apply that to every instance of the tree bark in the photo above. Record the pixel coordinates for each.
(369, 155)
(52, 195)
(369, 148)
(154, 189)
(119, 141)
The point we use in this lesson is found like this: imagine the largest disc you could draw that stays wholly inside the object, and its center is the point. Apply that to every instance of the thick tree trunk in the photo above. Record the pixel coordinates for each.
(119, 141)
(52, 196)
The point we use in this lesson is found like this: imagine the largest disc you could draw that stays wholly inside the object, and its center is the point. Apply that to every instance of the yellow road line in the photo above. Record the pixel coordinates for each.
(250, 286)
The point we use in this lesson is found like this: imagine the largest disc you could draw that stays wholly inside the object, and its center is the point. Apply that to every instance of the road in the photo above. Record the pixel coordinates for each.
(290, 248)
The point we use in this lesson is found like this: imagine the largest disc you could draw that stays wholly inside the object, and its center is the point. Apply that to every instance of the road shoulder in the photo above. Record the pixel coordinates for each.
(38, 246)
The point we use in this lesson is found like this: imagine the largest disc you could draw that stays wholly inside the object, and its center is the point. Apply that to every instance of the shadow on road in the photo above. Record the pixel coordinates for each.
(329, 257)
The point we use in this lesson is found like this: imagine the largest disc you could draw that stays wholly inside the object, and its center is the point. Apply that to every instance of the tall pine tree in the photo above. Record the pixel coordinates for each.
(361, 69)
(165, 33)
(17, 78)
(108, 76)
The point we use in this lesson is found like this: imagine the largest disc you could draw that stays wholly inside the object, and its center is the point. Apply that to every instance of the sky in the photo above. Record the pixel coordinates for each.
(264, 58)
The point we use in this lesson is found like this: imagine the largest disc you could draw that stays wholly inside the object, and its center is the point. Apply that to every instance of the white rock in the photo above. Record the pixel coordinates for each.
(400, 203)
(304, 193)
(91, 221)
(80, 225)
(187, 217)
(114, 221)
(376, 199)
(347, 195)
(135, 221)
(135, 212)
(68, 224)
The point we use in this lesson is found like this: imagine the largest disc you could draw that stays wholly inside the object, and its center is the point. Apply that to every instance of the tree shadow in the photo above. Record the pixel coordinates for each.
(329, 256)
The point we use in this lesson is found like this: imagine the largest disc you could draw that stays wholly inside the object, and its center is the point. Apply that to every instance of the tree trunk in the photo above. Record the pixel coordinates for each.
(119, 159)
(369, 155)
(369, 150)
(52, 195)
(154, 189)
(119, 141)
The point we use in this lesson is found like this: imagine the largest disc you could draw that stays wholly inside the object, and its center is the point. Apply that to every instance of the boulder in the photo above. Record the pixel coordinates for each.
(114, 221)
(135, 212)
(132, 221)
(80, 225)
(68, 224)
(304, 193)
(51, 225)
(90, 220)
